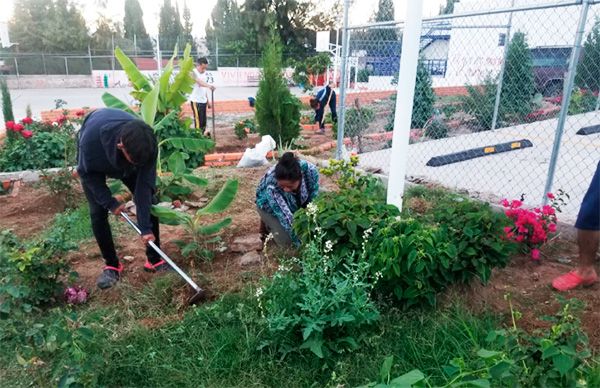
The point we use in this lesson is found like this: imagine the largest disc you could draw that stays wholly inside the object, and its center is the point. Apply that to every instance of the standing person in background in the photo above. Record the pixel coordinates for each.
(324, 97)
(199, 96)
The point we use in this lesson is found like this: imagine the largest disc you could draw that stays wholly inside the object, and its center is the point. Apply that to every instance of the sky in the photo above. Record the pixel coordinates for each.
(361, 11)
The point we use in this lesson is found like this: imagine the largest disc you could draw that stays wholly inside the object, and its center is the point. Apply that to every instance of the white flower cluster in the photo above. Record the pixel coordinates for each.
(367, 233)
(259, 292)
(398, 218)
(312, 209)
(283, 268)
(328, 246)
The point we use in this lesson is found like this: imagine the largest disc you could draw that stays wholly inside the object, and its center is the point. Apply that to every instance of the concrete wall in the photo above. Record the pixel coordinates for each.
(49, 81)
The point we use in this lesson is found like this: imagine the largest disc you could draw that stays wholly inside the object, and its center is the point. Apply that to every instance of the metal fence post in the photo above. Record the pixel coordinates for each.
(407, 78)
(17, 72)
(66, 66)
(345, 49)
(567, 90)
(44, 64)
(502, 69)
(91, 62)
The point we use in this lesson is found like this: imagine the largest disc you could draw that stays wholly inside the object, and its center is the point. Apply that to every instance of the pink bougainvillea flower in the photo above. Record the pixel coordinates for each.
(550, 196)
(535, 254)
(26, 134)
(18, 127)
(27, 120)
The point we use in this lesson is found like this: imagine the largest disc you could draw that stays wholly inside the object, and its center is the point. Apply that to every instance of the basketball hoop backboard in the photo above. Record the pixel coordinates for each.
(4, 39)
(322, 41)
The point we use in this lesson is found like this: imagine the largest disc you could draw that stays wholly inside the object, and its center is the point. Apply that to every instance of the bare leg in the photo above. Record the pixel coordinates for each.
(588, 242)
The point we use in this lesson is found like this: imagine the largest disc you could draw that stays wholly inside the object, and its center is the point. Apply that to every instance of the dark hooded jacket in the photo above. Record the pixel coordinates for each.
(99, 158)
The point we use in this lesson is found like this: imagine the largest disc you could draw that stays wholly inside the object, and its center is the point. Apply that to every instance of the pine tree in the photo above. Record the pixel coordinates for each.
(383, 42)
(7, 110)
(187, 25)
(588, 68)
(169, 27)
(448, 8)
(133, 23)
(518, 85)
(424, 98)
(277, 110)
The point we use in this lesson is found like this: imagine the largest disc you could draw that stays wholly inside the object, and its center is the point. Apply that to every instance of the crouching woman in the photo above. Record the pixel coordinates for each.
(290, 185)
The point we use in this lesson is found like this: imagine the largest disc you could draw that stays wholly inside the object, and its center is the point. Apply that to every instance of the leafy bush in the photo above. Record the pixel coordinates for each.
(311, 66)
(437, 129)
(424, 98)
(31, 274)
(196, 231)
(479, 102)
(357, 121)
(363, 75)
(61, 185)
(582, 101)
(320, 302)
(345, 215)
(277, 110)
(42, 150)
(453, 242)
(244, 127)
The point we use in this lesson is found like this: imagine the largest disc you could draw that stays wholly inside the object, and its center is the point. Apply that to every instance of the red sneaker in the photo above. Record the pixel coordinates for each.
(573, 280)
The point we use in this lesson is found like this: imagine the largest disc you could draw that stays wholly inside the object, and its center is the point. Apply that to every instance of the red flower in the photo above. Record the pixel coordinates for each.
(550, 196)
(61, 119)
(27, 120)
(552, 228)
(27, 134)
(10, 125)
(535, 254)
(18, 127)
(80, 113)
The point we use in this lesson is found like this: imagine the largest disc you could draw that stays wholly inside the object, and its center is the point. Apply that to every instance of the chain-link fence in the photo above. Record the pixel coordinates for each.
(490, 115)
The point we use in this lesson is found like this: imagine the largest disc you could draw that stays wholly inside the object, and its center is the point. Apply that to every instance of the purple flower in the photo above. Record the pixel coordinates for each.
(75, 295)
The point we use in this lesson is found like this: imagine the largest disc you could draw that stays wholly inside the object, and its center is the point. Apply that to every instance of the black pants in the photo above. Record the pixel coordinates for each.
(319, 113)
(199, 113)
(103, 234)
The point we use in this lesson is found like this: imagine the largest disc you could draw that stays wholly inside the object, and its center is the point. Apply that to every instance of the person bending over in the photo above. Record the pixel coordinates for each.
(290, 185)
(115, 144)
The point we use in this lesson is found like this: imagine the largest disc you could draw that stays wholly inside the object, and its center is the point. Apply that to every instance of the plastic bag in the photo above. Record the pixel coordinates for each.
(257, 156)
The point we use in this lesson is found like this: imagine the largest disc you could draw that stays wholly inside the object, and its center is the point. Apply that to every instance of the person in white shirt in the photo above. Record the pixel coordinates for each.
(199, 96)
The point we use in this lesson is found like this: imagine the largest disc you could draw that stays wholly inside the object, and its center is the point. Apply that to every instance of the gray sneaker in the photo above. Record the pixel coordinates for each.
(108, 278)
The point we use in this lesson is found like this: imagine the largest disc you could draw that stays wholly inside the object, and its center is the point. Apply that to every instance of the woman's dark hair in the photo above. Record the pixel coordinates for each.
(202, 61)
(288, 168)
(314, 103)
(139, 141)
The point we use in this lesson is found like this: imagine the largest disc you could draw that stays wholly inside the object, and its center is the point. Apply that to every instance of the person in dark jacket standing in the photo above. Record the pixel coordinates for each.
(115, 144)
(324, 97)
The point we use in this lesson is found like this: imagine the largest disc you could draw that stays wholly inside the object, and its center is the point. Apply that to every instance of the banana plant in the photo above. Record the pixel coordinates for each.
(197, 231)
(160, 102)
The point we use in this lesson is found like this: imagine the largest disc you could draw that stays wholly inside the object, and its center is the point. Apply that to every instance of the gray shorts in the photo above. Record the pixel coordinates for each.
(280, 235)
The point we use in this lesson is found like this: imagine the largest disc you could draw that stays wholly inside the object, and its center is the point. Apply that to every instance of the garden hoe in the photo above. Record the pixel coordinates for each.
(212, 104)
(200, 294)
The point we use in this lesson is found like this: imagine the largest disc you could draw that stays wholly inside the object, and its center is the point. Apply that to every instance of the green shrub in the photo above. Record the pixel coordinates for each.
(321, 302)
(588, 68)
(277, 110)
(43, 150)
(424, 98)
(437, 129)
(479, 102)
(582, 101)
(518, 86)
(31, 274)
(363, 75)
(357, 121)
(243, 127)
(344, 216)
(7, 110)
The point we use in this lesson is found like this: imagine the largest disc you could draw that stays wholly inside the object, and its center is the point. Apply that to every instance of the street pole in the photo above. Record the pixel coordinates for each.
(407, 76)
(345, 43)
(564, 109)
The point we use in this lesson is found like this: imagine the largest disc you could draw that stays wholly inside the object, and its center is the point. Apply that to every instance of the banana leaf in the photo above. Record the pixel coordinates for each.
(136, 77)
(222, 200)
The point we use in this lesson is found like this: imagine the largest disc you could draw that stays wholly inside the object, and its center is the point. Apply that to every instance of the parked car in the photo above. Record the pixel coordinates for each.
(4, 68)
(550, 64)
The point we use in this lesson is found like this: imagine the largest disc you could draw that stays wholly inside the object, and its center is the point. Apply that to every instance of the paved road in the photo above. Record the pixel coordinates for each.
(508, 175)
(43, 99)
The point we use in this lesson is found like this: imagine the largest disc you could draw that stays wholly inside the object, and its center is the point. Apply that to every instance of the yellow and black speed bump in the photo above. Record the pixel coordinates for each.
(461, 156)
(589, 130)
